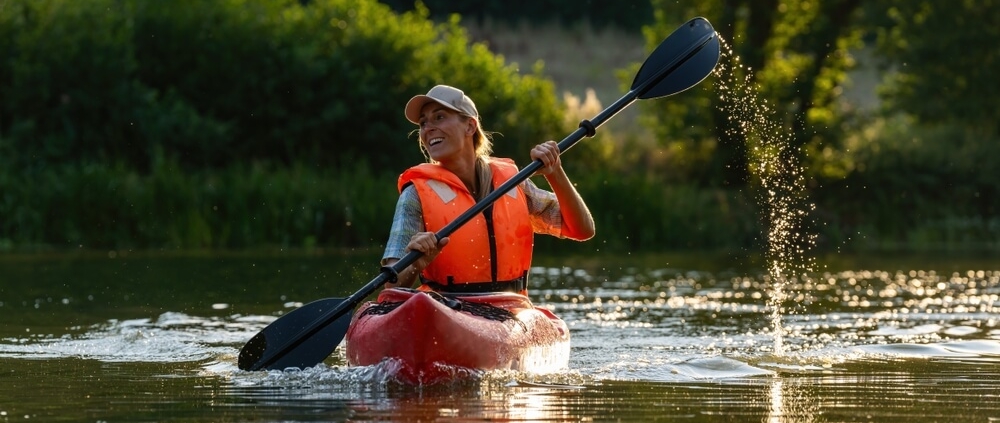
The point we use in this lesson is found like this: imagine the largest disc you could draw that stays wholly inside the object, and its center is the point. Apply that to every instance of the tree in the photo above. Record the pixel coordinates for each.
(794, 53)
(222, 82)
(945, 60)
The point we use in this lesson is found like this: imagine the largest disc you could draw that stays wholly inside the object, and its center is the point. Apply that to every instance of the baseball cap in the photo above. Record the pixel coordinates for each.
(450, 97)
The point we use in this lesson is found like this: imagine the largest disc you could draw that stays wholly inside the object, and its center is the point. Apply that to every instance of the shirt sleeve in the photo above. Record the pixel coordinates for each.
(407, 221)
(546, 217)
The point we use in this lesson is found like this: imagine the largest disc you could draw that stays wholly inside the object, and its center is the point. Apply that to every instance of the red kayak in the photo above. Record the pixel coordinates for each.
(429, 337)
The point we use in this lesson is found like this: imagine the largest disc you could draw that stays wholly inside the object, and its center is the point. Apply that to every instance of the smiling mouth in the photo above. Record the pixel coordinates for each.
(435, 141)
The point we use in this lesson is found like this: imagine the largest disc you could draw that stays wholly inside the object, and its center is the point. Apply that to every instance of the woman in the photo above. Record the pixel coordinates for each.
(492, 252)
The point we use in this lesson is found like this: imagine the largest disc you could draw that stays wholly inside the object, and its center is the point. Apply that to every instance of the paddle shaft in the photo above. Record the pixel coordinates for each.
(587, 128)
(389, 273)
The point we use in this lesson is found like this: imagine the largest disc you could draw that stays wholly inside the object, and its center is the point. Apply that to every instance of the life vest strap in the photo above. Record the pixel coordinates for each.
(516, 285)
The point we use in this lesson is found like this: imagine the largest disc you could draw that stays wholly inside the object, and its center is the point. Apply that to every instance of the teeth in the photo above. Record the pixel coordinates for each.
(435, 141)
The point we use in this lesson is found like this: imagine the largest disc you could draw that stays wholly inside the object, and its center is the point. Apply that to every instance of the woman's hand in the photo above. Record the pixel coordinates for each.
(426, 243)
(548, 153)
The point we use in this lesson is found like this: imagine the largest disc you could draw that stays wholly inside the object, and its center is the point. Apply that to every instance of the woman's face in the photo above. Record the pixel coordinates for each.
(444, 133)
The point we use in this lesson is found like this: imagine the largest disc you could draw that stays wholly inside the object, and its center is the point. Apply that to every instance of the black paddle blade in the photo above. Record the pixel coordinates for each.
(308, 353)
(688, 55)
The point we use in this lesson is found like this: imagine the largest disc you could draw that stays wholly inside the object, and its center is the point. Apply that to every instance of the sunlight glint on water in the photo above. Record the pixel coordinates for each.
(774, 161)
(654, 338)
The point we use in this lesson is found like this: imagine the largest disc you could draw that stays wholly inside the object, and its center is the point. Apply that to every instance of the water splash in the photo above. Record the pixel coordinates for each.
(171, 338)
(774, 162)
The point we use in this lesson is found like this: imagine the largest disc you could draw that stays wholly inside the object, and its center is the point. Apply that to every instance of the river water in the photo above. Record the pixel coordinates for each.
(154, 337)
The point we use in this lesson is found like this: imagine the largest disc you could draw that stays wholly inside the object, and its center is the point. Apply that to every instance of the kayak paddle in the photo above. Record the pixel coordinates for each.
(306, 336)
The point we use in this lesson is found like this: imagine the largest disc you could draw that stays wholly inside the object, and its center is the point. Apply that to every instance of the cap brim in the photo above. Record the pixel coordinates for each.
(417, 103)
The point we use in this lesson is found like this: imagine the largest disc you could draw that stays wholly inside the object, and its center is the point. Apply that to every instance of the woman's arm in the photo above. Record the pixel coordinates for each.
(578, 223)
(407, 222)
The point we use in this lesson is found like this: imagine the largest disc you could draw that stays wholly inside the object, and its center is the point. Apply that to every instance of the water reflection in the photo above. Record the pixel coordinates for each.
(777, 402)
(649, 342)
(366, 394)
(792, 402)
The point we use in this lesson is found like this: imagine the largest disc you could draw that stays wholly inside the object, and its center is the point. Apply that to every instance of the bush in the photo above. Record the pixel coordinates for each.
(100, 206)
(599, 13)
(218, 82)
(68, 82)
(636, 212)
(914, 187)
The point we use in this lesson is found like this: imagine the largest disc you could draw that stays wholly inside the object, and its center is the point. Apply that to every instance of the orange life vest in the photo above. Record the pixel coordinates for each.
(492, 252)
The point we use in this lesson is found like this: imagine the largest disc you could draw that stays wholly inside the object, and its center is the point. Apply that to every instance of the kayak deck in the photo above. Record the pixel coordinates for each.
(431, 337)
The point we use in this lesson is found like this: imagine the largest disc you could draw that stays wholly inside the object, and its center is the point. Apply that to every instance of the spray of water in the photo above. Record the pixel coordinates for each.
(774, 163)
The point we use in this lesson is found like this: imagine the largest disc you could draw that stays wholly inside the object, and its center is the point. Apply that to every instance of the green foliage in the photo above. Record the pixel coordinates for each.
(636, 212)
(99, 206)
(599, 13)
(214, 83)
(219, 124)
(915, 186)
(944, 60)
(240, 123)
(66, 81)
(791, 53)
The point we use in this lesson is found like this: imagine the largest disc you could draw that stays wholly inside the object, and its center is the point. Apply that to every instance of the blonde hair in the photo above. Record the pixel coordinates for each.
(483, 142)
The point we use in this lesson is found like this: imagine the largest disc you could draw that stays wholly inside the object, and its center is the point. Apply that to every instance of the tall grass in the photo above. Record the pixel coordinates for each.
(639, 213)
(108, 206)
(97, 206)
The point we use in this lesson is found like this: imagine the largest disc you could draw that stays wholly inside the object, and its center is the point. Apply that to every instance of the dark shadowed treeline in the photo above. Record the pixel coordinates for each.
(215, 83)
(143, 124)
(601, 13)
(908, 172)
(246, 123)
